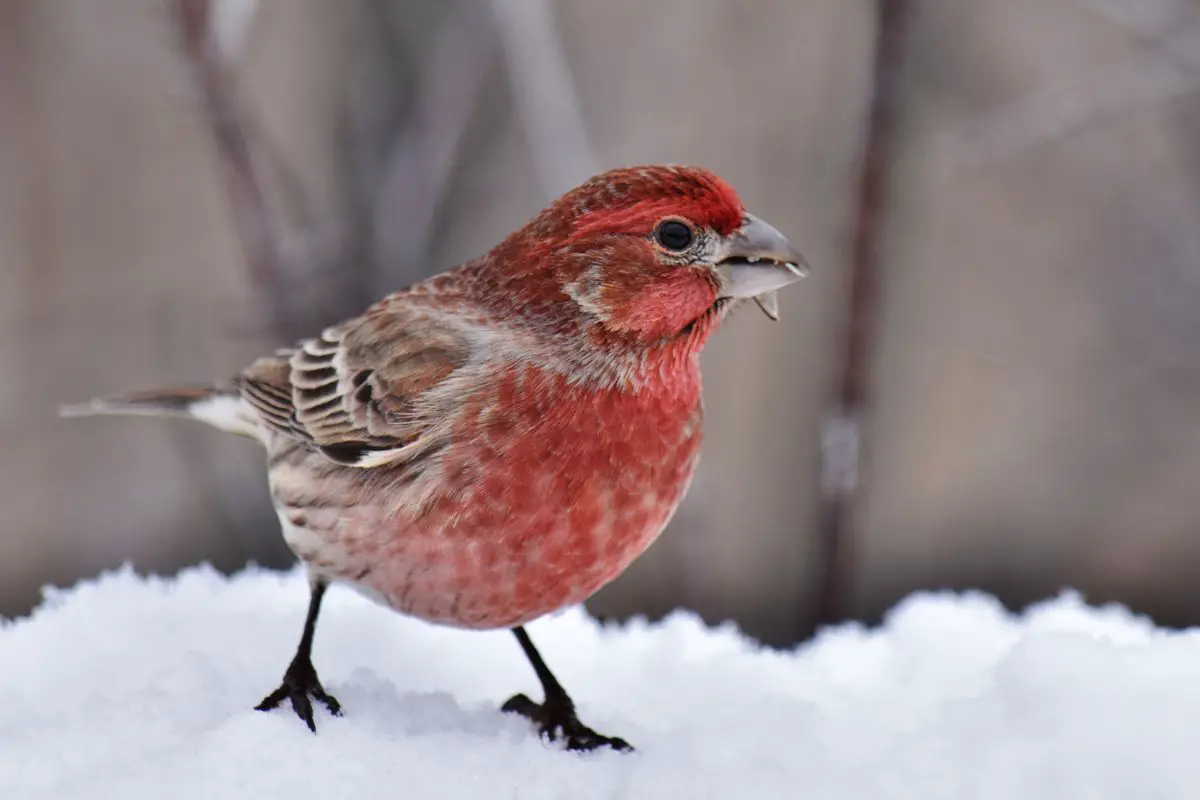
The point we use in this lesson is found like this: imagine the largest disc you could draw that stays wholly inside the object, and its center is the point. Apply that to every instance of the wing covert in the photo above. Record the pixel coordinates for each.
(363, 393)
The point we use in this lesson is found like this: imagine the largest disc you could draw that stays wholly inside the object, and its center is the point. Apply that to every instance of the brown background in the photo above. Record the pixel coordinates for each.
(1035, 376)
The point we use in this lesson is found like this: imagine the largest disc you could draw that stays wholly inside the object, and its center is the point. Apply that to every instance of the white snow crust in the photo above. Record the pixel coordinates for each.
(125, 687)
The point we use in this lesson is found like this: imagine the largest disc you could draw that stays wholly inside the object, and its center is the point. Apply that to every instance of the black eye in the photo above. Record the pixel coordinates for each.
(674, 235)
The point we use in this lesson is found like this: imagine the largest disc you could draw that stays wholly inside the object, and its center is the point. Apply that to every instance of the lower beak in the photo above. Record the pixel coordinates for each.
(755, 262)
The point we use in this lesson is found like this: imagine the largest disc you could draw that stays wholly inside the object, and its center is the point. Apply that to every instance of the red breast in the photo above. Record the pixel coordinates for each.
(547, 492)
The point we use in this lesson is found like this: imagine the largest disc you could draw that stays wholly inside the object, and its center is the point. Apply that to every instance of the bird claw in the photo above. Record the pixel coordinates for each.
(557, 720)
(300, 683)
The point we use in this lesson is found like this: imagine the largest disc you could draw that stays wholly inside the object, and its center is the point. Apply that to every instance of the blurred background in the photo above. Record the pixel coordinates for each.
(991, 379)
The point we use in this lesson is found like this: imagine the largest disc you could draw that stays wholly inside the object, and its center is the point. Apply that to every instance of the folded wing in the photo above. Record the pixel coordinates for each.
(371, 391)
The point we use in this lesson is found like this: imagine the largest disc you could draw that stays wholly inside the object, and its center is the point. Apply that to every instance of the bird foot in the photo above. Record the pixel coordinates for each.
(556, 719)
(300, 683)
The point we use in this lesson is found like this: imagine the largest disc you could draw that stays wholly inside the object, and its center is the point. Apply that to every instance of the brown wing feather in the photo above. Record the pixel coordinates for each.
(359, 392)
(266, 386)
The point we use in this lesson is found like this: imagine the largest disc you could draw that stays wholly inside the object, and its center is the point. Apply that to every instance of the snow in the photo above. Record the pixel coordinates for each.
(143, 688)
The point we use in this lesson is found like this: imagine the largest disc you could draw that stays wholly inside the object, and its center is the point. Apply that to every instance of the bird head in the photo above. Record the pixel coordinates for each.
(649, 254)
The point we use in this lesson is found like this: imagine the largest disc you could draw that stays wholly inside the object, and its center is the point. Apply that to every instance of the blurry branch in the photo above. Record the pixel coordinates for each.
(419, 163)
(211, 33)
(841, 441)
(544, 94)
(259, 222)
(1169, 68)
(1152, 21)
(1147, 18)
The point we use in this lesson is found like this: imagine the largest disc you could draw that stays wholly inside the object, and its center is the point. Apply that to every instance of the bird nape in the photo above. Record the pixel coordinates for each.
(501, 440)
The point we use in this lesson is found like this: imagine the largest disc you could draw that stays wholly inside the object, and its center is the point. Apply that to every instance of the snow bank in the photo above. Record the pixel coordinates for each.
(132, 688)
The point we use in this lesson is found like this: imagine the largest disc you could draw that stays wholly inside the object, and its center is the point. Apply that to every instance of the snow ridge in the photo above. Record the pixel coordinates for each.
(128, 687)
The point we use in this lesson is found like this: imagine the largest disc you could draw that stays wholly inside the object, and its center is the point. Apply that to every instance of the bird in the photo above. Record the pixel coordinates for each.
(501, 440)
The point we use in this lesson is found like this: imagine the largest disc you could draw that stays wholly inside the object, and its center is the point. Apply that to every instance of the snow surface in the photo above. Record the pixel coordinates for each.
(133, 688)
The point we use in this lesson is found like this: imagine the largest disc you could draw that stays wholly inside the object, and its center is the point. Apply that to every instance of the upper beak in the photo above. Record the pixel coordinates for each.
(755, 261)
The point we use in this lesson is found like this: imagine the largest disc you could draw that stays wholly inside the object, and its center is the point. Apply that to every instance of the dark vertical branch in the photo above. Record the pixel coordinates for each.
(841, 450)
(260, 228)
(260, 225)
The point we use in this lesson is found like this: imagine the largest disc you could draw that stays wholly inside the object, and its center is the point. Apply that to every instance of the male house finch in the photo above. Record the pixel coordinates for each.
(503, 439)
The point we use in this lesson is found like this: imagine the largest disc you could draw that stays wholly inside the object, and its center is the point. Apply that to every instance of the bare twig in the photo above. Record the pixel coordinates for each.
(210, 35)
(545, 96)
(420, 160)
(841, 447)
(1150, 19)
(1152, 22)
(1169, 67)
(259, 223)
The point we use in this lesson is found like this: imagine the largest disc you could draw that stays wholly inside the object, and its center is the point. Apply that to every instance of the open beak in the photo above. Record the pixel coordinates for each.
(755, 261)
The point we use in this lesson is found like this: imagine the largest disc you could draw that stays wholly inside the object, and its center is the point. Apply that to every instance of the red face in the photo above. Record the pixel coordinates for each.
(647, 252)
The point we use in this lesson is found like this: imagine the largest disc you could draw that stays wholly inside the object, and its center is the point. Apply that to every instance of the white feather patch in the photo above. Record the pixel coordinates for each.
(225, 412)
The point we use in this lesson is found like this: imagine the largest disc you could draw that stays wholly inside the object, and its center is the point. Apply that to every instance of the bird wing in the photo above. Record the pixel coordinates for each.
(366, 393)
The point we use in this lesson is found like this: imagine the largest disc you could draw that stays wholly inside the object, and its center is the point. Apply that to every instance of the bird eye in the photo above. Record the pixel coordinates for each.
(674, 235)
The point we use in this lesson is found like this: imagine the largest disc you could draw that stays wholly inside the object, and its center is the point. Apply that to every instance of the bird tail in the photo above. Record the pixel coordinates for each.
(221, 407)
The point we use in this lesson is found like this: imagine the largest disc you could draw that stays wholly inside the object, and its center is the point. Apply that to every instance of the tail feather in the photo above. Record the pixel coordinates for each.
(220, 407)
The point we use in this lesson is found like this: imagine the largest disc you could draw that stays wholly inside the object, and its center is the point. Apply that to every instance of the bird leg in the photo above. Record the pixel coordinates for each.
(555, 716)
(300, 682)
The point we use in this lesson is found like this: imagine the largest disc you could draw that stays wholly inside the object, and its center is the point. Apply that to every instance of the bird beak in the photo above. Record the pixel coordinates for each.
(755, 261)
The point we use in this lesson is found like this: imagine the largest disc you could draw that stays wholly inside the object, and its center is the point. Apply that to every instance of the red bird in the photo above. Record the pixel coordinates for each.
(503, 439)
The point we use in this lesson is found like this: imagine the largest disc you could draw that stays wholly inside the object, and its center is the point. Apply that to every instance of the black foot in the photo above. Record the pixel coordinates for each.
(299, 684)
(557, 720)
